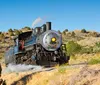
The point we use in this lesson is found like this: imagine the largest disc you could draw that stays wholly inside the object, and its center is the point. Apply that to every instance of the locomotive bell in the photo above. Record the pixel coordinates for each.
(37, 30)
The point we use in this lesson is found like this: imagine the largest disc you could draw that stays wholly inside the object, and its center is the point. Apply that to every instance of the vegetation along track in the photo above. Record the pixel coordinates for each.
(25, 79)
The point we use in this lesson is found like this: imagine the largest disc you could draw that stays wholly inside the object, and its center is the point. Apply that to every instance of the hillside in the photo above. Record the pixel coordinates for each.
(83, 68)
(6, 38)
(76, 73)
(88, 39)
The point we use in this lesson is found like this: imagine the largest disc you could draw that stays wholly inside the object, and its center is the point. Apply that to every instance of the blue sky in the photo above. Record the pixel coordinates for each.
(70, 14)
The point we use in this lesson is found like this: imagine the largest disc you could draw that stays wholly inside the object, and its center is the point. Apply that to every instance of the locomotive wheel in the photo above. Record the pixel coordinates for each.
(25, 58)
(64, 59)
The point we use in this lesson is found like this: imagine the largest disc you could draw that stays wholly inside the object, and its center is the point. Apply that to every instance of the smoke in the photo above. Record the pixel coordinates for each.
(38, 20)
(21, 68)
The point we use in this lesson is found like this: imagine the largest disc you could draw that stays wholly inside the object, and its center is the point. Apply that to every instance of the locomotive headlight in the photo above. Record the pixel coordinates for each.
(53, 39)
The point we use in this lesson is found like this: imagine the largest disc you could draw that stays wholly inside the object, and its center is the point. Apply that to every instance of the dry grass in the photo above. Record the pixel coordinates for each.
(84, 58)
(89, 41)
(52, 78)
(71, 75)
(13, 77)
(88, 75)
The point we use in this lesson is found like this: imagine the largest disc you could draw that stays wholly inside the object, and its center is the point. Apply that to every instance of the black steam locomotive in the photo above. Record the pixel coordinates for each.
(41, 46)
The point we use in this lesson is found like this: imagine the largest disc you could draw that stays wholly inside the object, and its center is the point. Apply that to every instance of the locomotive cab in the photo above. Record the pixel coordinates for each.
(21, 41)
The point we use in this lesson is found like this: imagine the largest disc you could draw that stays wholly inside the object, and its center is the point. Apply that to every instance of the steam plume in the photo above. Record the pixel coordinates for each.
(20, 68)
(36, 21)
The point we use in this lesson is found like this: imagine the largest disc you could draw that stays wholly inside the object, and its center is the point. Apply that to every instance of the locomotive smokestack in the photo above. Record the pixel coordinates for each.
(48, 26)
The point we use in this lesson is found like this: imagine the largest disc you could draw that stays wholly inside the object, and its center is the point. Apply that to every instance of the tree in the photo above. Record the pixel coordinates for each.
(10, 30)
(0, 32)
(59, 31)
(73, 34)
(27, 28)
(66, 30)
(11, 33)
(83, 31)
(17, 32)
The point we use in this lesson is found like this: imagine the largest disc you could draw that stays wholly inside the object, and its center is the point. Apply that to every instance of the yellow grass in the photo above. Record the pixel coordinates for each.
(56, 78)
(84, 58)
(59, 76)
(53, 77)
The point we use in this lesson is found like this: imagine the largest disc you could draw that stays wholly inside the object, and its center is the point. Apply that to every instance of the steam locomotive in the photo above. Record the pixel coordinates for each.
(41, 46)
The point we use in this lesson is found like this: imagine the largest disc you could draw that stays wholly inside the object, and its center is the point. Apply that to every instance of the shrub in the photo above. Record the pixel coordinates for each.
(96, 48)
(27, 28)
(62, 69)
(17, 32)
(86, 50)
(83, 31)
(94, 61)
(59, 31)
(72, 48)
(11, 34)
(0, 32)
(20, 31)
(73, 34)
(98, 44)
(66, 30)
(95, 34)
(10, 30)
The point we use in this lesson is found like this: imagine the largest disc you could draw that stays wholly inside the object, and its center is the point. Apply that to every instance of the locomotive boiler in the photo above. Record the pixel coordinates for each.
(41, 46)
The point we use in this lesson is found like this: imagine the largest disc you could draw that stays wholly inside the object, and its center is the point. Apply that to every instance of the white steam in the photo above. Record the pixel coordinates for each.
(20, 68)
(38, 20)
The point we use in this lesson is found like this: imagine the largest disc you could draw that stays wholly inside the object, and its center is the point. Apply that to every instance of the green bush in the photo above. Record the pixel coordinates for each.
(17, 32)
(0, 32)
(73, 34)
(59, 31)
(83, 31)
(72, 48)
(66, 30)
(27, 28)
(86, 50)
(62, 69)
(97, 44)
(96, 48)
(10, 30)
(94, 61)
(11, 34)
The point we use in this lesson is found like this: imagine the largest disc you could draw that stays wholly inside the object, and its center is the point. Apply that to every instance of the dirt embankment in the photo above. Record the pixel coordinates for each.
(77, 73)
(85, 75)
(63, 75)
